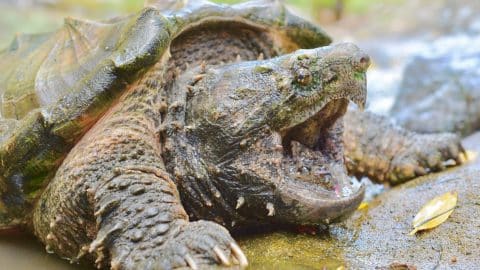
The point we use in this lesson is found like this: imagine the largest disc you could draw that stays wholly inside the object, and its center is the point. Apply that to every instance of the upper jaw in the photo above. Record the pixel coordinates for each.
(352, 90)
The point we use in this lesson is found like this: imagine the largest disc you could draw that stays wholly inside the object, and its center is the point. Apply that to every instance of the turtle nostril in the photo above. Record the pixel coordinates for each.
(362, 63)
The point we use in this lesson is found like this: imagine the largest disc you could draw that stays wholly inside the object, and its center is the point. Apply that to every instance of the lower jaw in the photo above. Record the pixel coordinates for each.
(309, 208)
(319, 199)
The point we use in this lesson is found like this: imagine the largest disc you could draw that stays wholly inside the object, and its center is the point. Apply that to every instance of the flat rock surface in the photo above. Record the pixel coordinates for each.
(377, 236)
(24, 252)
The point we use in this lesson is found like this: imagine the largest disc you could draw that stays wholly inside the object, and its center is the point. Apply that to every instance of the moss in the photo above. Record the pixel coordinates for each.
(38, 170)
(283, 250)
(263, 69)
(360, 76)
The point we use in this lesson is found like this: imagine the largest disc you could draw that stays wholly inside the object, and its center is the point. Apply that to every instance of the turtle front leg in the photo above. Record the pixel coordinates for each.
(143, 226)
(112, 203)
(382, 151)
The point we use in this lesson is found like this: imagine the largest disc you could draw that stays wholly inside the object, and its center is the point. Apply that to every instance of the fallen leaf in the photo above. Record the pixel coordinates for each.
(471, 155)
(363, 205)
(435, 212)
(398, 266)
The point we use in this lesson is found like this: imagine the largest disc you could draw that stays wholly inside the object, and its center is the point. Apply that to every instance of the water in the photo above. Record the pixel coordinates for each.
(24, 252)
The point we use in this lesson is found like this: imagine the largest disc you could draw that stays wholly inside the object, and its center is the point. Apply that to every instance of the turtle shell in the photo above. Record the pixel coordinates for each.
(55, 86)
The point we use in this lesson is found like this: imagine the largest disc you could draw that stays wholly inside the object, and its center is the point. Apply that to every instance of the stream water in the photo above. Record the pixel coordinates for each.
(24, 252)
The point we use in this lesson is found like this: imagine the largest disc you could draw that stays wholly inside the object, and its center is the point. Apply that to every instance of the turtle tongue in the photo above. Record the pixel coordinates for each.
(343, 183)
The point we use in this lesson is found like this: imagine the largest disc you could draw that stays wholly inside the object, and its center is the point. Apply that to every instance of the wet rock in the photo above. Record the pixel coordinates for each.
(440, 90)
(377, 236)
(459, 16)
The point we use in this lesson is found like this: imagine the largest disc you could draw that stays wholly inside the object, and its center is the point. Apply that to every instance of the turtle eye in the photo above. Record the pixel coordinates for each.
(303, 76)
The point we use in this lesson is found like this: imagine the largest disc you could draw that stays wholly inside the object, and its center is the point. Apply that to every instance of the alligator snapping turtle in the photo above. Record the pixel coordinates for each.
(112, 132)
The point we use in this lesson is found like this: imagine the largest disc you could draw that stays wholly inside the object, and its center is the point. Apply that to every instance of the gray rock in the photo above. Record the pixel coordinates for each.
(440, 92)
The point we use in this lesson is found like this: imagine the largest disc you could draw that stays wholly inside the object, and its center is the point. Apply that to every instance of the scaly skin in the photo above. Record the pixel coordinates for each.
(113, 202)
(384, 152)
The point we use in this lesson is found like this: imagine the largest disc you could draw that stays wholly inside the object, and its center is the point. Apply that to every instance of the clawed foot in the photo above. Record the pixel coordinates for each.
(426, 153)
(195, 245)
(205, 243)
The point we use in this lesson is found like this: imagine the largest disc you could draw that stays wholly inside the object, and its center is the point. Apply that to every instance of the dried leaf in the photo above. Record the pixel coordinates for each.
(435, 212)
(363, 205)
(471, 155)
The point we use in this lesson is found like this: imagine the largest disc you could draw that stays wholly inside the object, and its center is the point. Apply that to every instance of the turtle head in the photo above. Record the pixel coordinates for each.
(269, 135)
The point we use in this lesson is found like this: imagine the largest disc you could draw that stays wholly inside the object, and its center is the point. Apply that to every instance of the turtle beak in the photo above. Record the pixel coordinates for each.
(361, 62)
(345, 67)
(360, 100)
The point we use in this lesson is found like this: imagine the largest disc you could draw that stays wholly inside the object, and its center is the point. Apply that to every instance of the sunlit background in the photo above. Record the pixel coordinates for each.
(391, 31)
(41, 15)
(364, 17)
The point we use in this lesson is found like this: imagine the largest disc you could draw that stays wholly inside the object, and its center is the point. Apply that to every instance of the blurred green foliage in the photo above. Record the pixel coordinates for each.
(112, 5)
(307, 5)
(132, 5)
(33, 16)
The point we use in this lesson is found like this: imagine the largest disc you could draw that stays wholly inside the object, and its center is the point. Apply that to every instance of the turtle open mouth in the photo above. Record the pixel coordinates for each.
(314, 169)
(313, 151)
(321, 133)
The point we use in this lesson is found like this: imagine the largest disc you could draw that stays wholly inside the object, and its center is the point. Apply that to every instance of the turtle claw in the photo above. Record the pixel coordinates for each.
(191, 262)
(195, 245)
(212, 246)
(463, 156)
(221, 256)
(239, 255)
(419, 171)
(454, 150)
